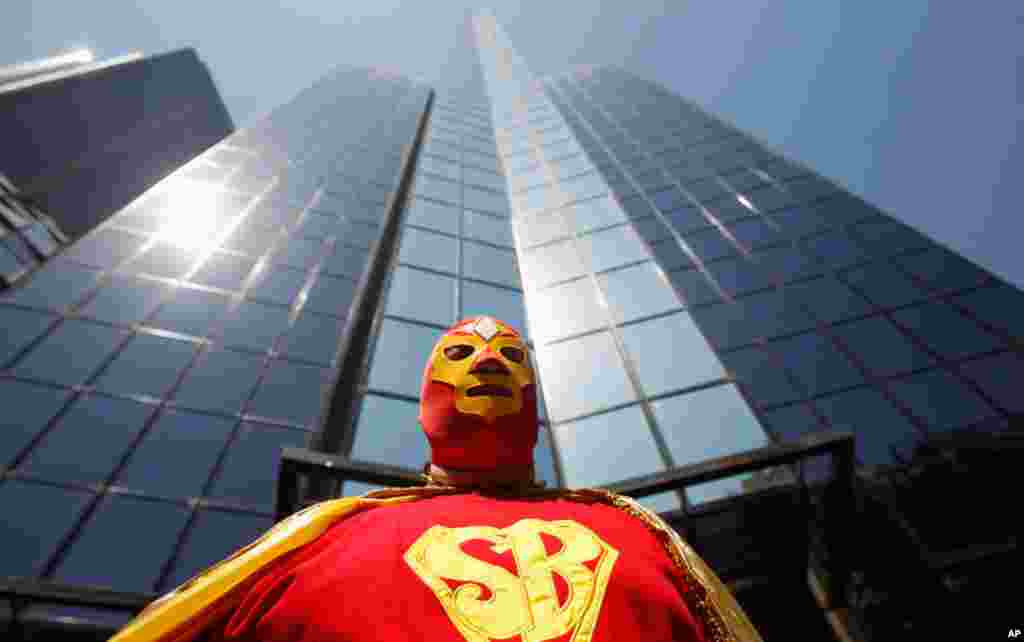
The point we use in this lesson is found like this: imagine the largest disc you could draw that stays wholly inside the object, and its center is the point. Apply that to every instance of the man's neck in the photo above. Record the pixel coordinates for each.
(501, 477)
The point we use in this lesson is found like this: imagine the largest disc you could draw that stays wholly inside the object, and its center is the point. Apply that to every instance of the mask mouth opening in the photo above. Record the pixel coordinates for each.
(488, 390)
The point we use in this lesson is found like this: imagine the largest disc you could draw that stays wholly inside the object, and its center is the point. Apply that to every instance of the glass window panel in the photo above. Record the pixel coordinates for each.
(253, 237)
(430, 250)
(740, 277)
(89, 441)
(105, 538)
(945, 330)
(278, 285)
(766, 314)
(999, 377)
(438, 189)
(29, 540)
(583, 187)
(489, 264)
(636, 207)
(331, 295)
(670, 353)
(1001, 306)
(566, 393)
(883, 348)
(388, 432)
(637, 291)
(788, 263)
(314, 337)
(422, 296)
(687, 219)
(164, 259)
(816, 362)
(317, 225)
(191, 311)
(710, 245)
(439, 166)
(176, 456)
(762, 377)
(254, 325)
(569, 308)
(544, 459)
(215, 536)
(944, 270)
(249, 476)
(359, 234)
(220, 381)
(27, 409)
(709, 423)
(290, 392)
(670, 255)
(436, 216)
(651, 229)
(487, 201)
(298, 252)
(20, 328)
(594, 214)
(884, 285)
(613, 247)
(148, 365)
(55, 286)
(693, 287)
(105, 248)
(487, 179)
(126, 300)
(669, 199)
(487, 228)
(226, 271)
(836, 249)
(884, 236)
(541, 228)
(400, 353)
(586, 459)
(90, 343)
(791, 422)
(345, 260)
(878, 426)
(827, 298)
(501, 303)
(552, 263)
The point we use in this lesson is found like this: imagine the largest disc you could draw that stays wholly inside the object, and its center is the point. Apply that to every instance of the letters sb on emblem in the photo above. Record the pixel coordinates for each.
(525, 603)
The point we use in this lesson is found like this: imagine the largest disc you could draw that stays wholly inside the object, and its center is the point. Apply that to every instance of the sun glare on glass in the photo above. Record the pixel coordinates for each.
(193, 216)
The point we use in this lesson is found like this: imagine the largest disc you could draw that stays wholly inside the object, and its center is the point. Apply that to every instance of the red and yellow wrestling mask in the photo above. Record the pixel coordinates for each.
(478, 404)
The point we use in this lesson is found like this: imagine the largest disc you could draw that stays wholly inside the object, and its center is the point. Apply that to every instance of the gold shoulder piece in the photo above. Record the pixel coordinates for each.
(170, 616)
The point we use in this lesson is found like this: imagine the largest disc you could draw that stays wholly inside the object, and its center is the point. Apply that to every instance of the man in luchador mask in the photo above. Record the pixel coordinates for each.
(480, 553)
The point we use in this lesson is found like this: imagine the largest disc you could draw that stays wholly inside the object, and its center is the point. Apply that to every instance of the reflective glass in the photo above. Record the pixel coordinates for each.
(29, 540)
(422, 296)
(388, 432)
(359, 234)
(147, 365)
(884, 285)
(331, 295)
(999, 377)
(945, 330)
(562, 310)
(944, 270)
(430, 250)
(439, 166)
(399, 355)
(816, 363)
(1001, 306)
(345, 260)
(55, 286)
(489, 264)
(613, 247)
(670, 353)
(249, 475)
(314, 337)
(884, 236)
(551, 263)
(438, 189)
(709, 423)
(214, 536)
(586, 458)
(739, 276)
(787, 263)
(223, 270)
(27, 409)
(480, 177)
(191, 311)
(693, 287)
(501, 303)
(836, 250)
(487, 228)
(88, 441)
(485, 200)
(766, 314)
(317, 225)
(105, 538)
(541, 228)
(828, 299)
(878, 426)
(177, 455)
(125, 300)
(587, 216)
(90, 343)
(883, 349)
(105, 248)
(436, 216)
(254, 325)
(298, 252)
(220, 381)
(637, 291)
(278, 285)
(670, 255)
(710, 245)
(164, 259)
(763, 378)
(567, 391)
(791, 422)
(20, 327)
(290, 392)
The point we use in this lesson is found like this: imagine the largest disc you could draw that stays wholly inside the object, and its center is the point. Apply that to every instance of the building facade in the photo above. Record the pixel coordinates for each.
(687, 292)
(83, 138)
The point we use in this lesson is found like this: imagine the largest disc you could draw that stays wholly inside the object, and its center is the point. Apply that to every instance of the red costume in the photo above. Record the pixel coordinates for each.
(481, 553)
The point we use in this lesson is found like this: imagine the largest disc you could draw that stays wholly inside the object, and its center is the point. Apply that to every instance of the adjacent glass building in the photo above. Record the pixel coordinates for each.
(688, 293)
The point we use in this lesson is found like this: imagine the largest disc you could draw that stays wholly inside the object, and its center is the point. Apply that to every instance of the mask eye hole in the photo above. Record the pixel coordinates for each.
(458, 352)
(515, 355)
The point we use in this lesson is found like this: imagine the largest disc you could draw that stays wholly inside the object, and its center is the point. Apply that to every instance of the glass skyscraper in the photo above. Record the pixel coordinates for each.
(688, 292)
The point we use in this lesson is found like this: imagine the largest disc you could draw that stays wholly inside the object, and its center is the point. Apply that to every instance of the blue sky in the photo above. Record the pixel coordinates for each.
(915, 105)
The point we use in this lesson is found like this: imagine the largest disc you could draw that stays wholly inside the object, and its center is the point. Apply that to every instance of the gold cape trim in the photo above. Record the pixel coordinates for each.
(170, 616)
